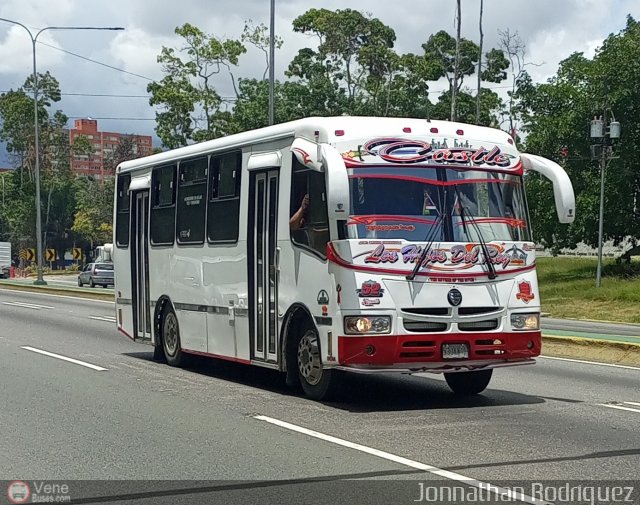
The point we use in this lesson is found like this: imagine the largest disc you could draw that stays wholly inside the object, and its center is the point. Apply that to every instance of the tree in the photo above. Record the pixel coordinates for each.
(16, 110)
(556, 117)
(516, 50)
(440, 61)
(354, 64)
(93, 221)
(191, 106)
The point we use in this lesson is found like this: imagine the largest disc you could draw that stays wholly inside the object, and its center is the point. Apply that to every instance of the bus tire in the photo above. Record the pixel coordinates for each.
(158, 353)
(468, 383)
(317, 382)
(171, 337)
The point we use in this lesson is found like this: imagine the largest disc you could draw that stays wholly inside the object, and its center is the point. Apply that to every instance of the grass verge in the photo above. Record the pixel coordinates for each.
(567, 289)
(618, 353)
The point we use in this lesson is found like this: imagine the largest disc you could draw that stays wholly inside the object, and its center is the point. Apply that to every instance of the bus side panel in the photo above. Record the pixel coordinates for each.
(225, 272)
(176, 273)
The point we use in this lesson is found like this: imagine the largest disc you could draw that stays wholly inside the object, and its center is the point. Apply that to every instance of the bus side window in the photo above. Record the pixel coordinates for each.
(223, 212)
(192, 200)
(122, 210)
(163, 205)
(310, 225)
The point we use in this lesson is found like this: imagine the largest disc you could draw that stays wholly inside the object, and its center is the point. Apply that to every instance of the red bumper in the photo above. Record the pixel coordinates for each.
(386, 350)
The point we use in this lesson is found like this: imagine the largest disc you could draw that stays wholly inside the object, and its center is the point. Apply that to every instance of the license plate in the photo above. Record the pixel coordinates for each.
(455, 351)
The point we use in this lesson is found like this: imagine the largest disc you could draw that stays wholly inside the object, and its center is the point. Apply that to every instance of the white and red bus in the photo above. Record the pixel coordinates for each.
(327, 245)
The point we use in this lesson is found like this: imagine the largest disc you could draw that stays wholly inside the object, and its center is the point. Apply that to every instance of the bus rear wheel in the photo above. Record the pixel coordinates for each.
(318, 383)
(469, 383)
(171, 338)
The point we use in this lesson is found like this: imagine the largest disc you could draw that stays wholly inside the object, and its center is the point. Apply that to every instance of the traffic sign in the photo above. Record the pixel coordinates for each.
(77, 253)
(50, 255)
(27, 254)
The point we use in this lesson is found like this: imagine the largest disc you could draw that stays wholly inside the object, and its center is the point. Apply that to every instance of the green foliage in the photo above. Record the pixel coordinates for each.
(353, 69)
(439, 61)
(556, 115)
(17, 130)
(191, 106)
(93, 221)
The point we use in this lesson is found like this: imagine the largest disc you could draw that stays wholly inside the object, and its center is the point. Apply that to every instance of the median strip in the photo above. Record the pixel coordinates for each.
(64, 358)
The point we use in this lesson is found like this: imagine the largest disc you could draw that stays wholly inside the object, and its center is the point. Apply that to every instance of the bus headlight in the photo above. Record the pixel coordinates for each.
(522, 321)
(356, 325)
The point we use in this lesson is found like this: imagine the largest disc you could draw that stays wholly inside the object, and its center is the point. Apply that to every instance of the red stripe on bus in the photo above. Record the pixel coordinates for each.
(125, 333)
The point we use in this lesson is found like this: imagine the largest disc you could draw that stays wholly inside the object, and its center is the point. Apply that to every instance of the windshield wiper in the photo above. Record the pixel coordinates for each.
(431, 236)
(491, 269)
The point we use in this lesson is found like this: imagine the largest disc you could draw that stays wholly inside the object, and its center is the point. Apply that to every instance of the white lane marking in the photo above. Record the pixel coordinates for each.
(64, 358)
(22, 292)
(628, 367)
(620, 407)
(29, 305)
(632, 403)
(403, 461)
(109, 319)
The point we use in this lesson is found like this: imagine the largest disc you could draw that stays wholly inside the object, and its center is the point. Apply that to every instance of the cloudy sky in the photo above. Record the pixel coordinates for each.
(551, 29)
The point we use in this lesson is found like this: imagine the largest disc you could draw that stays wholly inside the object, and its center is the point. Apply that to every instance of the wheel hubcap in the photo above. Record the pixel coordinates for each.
(309, 362)
(170, 334)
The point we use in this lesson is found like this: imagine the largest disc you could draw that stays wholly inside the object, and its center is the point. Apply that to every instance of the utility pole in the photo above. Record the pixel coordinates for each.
(34, 40)
(605, 130)
(272, 51)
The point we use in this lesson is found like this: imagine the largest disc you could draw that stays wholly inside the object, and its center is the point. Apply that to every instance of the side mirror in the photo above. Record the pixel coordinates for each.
(337, 181)
(308, 153)
(562, 188)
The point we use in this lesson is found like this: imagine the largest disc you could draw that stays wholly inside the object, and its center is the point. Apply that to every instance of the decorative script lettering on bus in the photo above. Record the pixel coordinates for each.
(419, 151)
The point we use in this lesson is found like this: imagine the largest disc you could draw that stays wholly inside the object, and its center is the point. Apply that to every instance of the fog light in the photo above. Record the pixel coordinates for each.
(530, 344)
(370, 350)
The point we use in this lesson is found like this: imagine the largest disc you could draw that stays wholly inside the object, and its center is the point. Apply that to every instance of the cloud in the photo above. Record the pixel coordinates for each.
(552, 30)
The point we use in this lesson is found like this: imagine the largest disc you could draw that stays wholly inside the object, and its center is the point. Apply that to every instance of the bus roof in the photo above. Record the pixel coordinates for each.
(330, 130)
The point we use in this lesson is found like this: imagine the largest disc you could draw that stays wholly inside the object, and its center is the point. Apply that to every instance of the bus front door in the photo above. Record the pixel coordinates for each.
(264, 265)
(140, 265)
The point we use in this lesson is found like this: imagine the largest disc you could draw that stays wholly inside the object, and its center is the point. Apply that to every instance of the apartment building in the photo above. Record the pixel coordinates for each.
(97, 164)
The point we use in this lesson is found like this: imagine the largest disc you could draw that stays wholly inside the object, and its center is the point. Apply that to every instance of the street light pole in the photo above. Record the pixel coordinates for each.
(603, 166)
(272, 45)
(605, 131)
(40, 257)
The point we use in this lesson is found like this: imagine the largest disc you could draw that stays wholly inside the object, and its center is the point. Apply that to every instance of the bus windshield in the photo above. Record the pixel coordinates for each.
(405, 203)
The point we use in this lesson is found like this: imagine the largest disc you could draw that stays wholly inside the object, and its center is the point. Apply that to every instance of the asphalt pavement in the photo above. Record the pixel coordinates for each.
(592, 329)
(114, 413)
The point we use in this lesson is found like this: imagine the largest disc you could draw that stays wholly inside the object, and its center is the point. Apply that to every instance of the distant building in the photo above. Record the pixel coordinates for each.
(104, 144)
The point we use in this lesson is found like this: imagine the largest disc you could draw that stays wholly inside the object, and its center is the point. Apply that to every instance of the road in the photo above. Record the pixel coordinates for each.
(576, 327)
(131, 418)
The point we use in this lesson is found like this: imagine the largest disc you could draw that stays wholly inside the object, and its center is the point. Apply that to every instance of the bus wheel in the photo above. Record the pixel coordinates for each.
(171, 337)
(468, 383)
(317, 383)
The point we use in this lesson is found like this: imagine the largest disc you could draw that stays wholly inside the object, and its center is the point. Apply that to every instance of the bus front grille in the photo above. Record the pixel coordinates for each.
(487, 325)
(424, 326)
